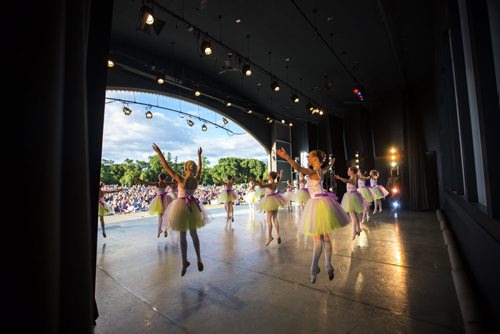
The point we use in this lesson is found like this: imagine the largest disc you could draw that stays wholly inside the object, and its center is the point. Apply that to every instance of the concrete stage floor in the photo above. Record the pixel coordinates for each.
(394, 278)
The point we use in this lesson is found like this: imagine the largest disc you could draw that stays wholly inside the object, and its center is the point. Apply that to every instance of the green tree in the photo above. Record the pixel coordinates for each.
(106, 174)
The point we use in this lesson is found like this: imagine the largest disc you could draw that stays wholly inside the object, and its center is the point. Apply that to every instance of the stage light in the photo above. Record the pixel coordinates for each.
(249, 111)
(393, 150)
(203, 127)
(190, 122)
(295, 98)
(111, 64)
(149, 115)
(206, 47)
(160, 80)
(290, 124)
(275, 86)
(357, 155)
(395, 204)
(147, 16)
(283, 121)
(393, 164)
(393, 157)
(395, 190)
(197, 93)
(228, 103)
(224, 120)
(127, 111)
(247, 70)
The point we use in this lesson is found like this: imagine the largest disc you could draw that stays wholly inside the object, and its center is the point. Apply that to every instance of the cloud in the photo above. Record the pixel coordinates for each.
(131, 137)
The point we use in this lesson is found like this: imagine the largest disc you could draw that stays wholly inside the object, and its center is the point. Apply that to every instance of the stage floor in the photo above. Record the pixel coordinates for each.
(394, 278)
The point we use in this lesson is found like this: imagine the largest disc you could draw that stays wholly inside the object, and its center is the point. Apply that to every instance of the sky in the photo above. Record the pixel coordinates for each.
(131, 137)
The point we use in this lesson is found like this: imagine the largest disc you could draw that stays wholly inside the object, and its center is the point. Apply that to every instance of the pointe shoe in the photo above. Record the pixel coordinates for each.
(313, 277)
(374, 212)
(200, 266)
(184, 268)
(232, 219)
(104, 234)
(159, 233)
(279, 240)
(269, 241)
(380, 211)
(165, 233)
(330, 274)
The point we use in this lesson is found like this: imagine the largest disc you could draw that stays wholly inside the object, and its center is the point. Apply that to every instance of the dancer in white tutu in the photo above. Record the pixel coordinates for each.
(186, 213)
(270, 204)
(301, 195)
(288, 193)
(366, 194)
(352, 202)
(103, 207)
(251, 197)
(322, 213)
(377, 190)
(228, 196)
(161, 201)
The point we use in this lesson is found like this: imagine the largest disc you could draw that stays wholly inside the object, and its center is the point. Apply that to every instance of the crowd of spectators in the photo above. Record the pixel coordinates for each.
(136, 198)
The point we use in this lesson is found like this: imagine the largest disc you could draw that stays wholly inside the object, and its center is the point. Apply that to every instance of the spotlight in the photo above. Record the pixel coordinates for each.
(295, 98)
(206, 47)
(393, 150)
(310, 107)
(197, 93)
(190, 122)
(393, 157)
(127, 111)
(111, 64)
(160, 80)
(228, 103)
(357, 161)
(395, 190)
(149, 115)
(249, 111)
(357, 155)
(393, 164)
(224, 120)
(203, 127)
(247, 70)
(321, 112)
(395, 204)
(291, 124)
(146, 16)
(283, 121)
(275, 86)
(269, 120)
(359, 92)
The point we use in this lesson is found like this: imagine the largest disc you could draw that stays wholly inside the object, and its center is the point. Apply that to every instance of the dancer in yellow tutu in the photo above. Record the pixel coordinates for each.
(377, 190)
(228, 196)
(301, 196)
(288, 192)
(251, 196)
(103, 207)
(352, 202)
(366, 194)
(270, 203)
(161, 201)
(186, 213)
(321, 215)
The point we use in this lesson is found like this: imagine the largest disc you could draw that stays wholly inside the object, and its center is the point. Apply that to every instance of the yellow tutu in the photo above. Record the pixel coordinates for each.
(227, 196)
(186, 213)
(301, 195)
(271, 202)
(103, 209)
(251, 197)
(352, 202)
(159, 204)
(322, 214)
(366, 193)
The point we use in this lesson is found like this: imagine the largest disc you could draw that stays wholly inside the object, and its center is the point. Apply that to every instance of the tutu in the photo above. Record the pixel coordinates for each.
(251, 197)
(301, 195)
(288, 195)
(227, 195)
(185, 213)
(366, 194)
(321, 215)
(173, 194)
(160, 203)
(352, 202)
(271, 202)
(103, 208)
(383, 191)
(259, 192)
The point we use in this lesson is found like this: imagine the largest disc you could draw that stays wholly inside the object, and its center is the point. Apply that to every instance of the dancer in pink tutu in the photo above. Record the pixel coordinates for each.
(228, 196)
(352, 202)
(377, 190)
(186, 213)
(301, 195)
(321, 215)
(103, 207)
(366, 194)
(161, 201)
(270, 203)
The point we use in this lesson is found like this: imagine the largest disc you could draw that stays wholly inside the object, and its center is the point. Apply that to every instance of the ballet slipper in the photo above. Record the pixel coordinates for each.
(184, 268)
(269, 241)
